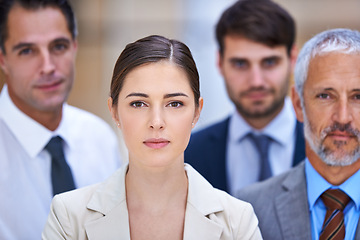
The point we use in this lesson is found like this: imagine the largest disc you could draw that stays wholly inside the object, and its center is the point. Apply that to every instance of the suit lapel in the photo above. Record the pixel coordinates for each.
(299, 153)
(217, 155)
(292, 206)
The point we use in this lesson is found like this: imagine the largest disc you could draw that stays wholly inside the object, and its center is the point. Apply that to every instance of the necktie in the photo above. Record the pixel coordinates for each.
(262, 143)
(335, 201)
(61, 177)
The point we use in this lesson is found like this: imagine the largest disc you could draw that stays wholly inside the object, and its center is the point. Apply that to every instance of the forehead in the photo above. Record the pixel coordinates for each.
(334, 70)
(236, 46)
(157, 77)
(43, 24)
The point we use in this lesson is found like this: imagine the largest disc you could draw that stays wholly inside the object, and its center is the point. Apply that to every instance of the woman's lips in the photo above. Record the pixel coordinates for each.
(156, 143)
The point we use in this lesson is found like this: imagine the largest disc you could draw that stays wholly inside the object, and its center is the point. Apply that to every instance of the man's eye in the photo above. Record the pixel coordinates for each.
(323, 95)
(137, 104)
(357, 96)
(240, 64)
(270, 62)
(25, 51)
(60, 47)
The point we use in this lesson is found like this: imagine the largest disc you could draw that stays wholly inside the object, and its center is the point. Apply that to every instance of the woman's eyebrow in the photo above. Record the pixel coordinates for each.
(137, 95)
(170, 95)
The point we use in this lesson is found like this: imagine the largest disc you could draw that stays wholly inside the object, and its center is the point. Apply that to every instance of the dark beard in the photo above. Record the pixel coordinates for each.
(275, 106)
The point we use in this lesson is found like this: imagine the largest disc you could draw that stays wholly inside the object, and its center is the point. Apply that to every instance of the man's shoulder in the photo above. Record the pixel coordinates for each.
(83, 119)
(201, 140)
(271, 187)
(81, 114)
(214, 129)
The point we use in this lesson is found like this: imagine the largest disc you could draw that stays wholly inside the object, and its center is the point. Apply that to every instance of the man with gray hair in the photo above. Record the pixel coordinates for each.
(319, 199)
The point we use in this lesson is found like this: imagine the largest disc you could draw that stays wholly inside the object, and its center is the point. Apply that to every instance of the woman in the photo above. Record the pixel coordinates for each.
(155, 101)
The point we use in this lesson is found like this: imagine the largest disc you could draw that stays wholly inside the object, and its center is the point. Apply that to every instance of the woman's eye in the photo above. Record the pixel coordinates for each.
(138, 104)
(175, 104)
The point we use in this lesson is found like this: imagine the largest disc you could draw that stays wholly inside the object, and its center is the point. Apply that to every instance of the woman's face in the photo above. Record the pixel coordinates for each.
(156, 112)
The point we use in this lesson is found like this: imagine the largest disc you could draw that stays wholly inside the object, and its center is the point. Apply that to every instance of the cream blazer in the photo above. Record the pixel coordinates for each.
(100, 212)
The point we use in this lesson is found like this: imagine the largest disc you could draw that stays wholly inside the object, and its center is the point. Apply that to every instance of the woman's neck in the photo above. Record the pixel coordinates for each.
(157, 189)
(156, 198)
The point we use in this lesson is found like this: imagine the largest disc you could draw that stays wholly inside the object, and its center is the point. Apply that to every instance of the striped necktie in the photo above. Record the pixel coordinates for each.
(61, 176)
(335, 201)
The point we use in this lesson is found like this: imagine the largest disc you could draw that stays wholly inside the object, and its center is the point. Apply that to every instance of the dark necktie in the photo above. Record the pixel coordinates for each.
(262, 143)
(61, 177)
(335, 201)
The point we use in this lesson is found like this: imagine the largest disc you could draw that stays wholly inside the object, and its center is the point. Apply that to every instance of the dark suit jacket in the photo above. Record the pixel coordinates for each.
(281, 206)
(206, 152)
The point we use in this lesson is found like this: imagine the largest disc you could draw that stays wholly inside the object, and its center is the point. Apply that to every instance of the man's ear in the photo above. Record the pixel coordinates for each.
(219, 62)
(296, 101)
(293, 56)
(198, 111)
(75, 44)
(3, 64)
(113, 111)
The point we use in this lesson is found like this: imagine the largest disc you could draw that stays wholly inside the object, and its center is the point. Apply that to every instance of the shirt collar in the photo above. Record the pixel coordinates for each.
(315, 190)
(350, 187)
(31, 135)
(281, 128)
(64, 129)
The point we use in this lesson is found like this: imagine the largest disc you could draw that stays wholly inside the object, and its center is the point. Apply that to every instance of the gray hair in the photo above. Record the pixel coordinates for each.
(335, 40)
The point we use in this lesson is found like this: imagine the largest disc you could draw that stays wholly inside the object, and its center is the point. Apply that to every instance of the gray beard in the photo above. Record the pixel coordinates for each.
(328, 156)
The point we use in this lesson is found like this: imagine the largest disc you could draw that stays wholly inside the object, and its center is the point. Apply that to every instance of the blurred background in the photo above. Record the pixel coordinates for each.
(106, 26)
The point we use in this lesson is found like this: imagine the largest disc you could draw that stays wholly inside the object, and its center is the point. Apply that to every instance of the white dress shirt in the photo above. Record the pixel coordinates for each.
(91, 150)
(243, 159)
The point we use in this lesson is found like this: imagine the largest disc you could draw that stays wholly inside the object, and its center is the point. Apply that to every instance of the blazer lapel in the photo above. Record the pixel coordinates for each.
(198, 226)
(114, 225)
(201, 203)
(292, 206)
(110, 202)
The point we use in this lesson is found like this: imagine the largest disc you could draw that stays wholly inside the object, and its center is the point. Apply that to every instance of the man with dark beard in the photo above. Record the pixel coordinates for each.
(262, 137)
(320, 198)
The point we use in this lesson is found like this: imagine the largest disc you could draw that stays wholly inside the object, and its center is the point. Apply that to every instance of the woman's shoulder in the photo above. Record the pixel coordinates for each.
(98, 193)
(237, 217)
(78, 197)
(232, 202)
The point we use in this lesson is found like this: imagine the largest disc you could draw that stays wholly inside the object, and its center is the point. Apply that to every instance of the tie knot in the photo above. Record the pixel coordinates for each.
(262, 142)
(55, 147)
(335, 199)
